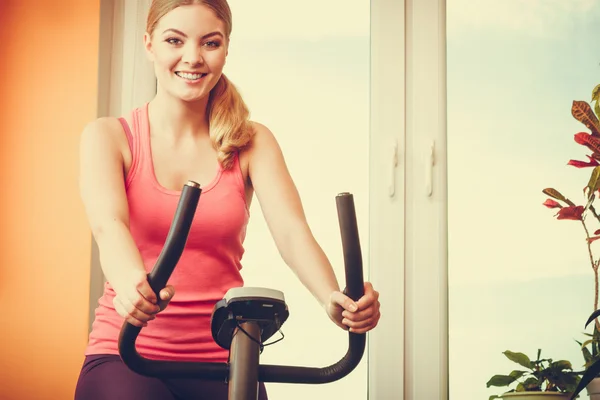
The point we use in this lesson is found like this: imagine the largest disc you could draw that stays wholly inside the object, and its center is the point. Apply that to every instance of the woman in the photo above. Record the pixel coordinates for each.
(132, 170)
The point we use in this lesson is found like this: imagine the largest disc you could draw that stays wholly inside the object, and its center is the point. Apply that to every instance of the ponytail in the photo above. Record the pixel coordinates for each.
(228, 116)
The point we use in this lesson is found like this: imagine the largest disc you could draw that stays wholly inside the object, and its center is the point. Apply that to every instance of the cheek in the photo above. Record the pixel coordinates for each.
(216, 60)
(166, 59)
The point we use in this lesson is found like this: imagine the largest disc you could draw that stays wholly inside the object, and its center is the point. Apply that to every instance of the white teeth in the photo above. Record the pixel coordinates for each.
(189, 76)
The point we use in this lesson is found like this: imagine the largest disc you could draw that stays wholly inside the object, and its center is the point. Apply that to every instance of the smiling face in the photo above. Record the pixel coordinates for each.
(188, 48)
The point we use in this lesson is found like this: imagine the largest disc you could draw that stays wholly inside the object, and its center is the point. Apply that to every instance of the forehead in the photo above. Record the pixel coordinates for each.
(193, 20)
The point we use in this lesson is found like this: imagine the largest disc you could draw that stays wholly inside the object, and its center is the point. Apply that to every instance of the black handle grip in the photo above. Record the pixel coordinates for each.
(176, 238)
(266, 373)
(351, 246)
(160, 274)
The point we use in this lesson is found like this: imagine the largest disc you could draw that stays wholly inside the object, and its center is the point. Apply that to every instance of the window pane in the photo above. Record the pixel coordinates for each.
(303, 69)
(520, 280)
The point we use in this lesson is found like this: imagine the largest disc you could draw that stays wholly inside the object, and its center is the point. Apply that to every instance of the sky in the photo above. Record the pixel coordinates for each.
(539, 19)
(510, 94)
(307, 20)
(519, 279)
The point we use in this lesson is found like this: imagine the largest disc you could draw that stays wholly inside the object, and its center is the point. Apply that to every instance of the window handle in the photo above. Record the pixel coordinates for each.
(394, 165)
(429, 163)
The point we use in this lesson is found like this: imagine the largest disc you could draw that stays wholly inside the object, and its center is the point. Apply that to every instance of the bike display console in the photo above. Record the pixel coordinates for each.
(266, 307)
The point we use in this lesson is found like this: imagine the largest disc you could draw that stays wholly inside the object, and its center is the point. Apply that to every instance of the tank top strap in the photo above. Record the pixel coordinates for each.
(141, 134)
(128, 134)
(133, 140)
(142, 129)
(235, 173)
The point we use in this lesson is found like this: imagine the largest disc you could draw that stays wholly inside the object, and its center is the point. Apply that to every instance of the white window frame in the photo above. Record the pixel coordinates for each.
(426, 240)
(408, 352)
(386, 199)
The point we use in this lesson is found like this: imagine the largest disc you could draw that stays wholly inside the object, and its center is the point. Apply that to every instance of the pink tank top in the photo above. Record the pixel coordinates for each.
(209, 266)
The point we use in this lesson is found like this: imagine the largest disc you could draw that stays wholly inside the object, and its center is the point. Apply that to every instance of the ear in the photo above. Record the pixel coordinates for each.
(148, 46)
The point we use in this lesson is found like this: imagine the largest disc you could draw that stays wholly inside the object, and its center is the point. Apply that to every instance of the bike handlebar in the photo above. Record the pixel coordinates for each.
(165, 265)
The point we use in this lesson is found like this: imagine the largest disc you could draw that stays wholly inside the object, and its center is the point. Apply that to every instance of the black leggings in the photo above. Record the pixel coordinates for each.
(105, 377)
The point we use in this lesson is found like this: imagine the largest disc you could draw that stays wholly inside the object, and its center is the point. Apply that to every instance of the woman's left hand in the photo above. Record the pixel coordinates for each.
(358, 317)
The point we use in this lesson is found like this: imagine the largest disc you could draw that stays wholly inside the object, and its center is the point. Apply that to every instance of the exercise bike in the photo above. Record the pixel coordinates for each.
(246, 317)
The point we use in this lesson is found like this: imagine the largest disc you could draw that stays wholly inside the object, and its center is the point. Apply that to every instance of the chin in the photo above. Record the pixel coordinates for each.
(191, 98)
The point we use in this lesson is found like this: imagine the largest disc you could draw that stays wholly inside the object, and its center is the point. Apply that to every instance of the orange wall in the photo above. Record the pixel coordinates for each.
(48, 91)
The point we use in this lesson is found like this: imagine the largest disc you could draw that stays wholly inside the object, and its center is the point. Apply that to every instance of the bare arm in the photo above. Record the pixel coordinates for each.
(282, 208)
(284, 214)
(102, 191)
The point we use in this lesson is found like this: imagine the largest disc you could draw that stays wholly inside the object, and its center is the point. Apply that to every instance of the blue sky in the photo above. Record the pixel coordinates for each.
(519, 279)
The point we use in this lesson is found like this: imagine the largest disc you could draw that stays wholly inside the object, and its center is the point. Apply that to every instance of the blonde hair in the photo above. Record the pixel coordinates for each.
(228, 115)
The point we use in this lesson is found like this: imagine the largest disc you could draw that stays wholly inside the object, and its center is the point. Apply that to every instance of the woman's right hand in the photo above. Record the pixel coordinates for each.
(136, 301)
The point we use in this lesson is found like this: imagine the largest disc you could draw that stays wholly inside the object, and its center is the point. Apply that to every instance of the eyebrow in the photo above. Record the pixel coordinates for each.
(184, 35)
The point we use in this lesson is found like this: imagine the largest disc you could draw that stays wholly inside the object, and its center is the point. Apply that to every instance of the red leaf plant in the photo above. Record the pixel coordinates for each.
(567, 210)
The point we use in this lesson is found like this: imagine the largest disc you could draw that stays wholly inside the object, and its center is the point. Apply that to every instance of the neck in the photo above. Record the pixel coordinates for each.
(178, 119)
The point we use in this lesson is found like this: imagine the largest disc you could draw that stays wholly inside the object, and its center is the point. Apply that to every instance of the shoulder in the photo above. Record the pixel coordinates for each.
(108, 128)
(263, 144)
(105, 131)
(262, 138)
(262, 149)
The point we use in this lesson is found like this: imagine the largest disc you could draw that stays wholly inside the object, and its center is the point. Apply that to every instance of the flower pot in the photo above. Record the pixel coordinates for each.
(593, 389)
(536, 396)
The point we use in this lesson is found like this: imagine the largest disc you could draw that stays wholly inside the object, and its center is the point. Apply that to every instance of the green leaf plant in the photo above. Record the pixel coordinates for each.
(540, 375)
(568, 210)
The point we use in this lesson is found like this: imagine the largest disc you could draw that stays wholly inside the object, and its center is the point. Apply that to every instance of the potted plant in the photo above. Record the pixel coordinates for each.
(542, 379)
(568, 210)
(591, 355)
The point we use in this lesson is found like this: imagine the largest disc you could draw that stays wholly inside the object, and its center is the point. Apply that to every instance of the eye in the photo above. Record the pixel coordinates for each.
(173, 41)
(213, 44)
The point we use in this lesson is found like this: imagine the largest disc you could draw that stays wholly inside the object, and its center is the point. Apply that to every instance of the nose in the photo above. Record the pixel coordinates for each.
(193, 56)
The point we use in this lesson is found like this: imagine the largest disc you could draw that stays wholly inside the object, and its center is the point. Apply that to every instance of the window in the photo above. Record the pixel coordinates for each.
(519, 279)
(310, 86)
